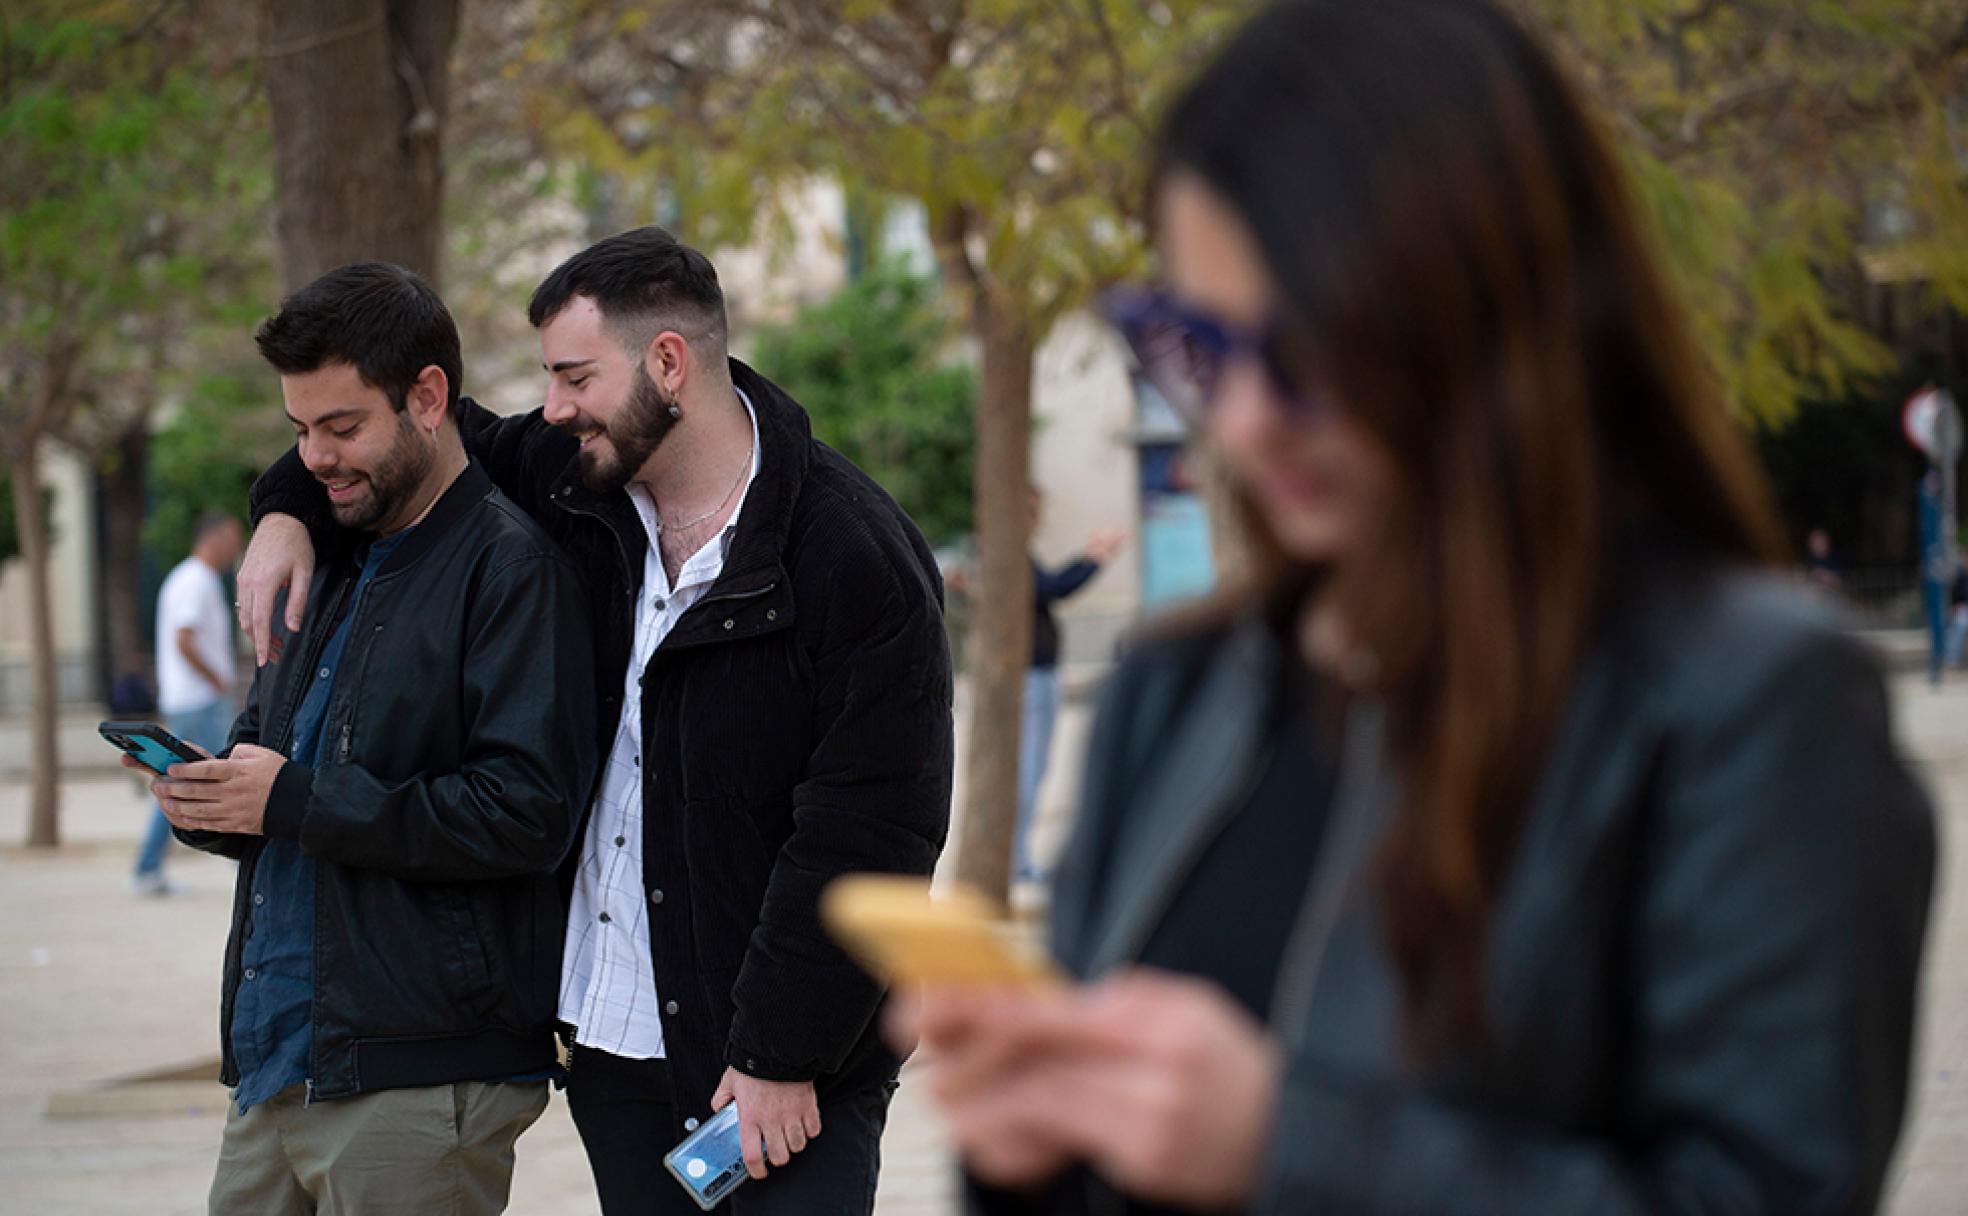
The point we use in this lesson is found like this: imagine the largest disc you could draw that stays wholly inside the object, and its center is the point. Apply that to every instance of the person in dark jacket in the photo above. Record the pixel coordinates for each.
(1518, 838)
(399, 793)
(774, 691)
(1050, 585)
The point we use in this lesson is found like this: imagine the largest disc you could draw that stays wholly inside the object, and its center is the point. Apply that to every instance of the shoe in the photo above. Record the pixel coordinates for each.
(153, 884)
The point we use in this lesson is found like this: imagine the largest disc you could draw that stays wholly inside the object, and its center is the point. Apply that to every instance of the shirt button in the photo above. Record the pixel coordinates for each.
(690, 1125)
(620, 841)
(603, 918)
(250, 973)
(258, 900)
(659, 605)
(670, 1007)
(324, 673)
(656, 895)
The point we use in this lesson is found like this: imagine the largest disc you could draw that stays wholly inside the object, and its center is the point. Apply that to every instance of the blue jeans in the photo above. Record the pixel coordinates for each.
(206, 726)
(1934, 593)
(1034, 748)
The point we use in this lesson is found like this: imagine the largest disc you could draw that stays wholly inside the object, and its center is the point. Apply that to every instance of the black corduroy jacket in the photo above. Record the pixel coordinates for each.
(796, 725)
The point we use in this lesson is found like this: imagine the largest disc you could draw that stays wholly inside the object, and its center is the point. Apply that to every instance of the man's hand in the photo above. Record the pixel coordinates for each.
(227, 795)
(1102, 546)
(281, 555)
(775, 1118)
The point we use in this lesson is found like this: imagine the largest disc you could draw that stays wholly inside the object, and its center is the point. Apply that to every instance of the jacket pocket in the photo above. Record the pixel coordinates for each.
(472, 963)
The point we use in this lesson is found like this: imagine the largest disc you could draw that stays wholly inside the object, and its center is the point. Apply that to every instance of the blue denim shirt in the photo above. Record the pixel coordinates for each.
(272, 1016)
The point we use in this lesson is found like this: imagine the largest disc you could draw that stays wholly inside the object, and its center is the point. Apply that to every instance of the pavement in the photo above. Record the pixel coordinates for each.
(109, 1019)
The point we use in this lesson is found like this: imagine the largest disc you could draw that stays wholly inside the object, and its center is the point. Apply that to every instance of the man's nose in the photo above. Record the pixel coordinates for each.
(316, 456)
(558, 411)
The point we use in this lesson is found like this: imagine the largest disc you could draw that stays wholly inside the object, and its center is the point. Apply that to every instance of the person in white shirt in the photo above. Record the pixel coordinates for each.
(196, 674)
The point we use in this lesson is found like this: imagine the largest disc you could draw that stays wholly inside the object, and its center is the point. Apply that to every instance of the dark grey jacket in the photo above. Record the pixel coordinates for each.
(1702, 974)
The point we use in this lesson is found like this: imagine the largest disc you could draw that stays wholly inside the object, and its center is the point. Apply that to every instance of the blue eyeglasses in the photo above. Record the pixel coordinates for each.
(1184, 352)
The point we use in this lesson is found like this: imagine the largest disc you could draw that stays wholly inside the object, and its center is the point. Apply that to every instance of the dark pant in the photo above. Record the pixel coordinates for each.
(623, 1110)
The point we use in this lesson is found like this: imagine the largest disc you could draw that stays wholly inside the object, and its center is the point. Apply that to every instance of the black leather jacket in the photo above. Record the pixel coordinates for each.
(459, 748)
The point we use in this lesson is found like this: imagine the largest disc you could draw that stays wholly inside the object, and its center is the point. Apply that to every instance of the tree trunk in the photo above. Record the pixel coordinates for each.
(121, 482)
(358, 90)
(44, 762)
(1001, 629)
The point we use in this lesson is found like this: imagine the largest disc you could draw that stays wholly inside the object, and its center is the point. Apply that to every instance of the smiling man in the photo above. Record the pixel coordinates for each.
(773, 683)
(398, 793)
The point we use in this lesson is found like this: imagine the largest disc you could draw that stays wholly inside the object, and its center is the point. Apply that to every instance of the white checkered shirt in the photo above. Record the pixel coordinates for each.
(607, 984)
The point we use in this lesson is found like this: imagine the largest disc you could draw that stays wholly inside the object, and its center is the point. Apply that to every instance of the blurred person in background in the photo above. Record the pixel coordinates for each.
(1515, 837)
(196, 672)
(1050, 585)
(1819, 564)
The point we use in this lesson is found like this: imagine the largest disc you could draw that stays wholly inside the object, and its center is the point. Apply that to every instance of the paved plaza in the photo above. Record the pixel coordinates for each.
(109, 1019)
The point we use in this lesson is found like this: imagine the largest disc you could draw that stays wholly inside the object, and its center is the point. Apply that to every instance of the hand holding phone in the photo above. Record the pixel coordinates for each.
(149, 744)
(710, 1162)
(895, 930)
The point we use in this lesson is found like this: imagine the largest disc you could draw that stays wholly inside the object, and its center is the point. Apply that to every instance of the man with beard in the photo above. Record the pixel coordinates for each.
(774, 688)
(398, 793)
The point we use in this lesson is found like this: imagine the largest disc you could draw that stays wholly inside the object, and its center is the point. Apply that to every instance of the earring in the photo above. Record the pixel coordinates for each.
(676, 412)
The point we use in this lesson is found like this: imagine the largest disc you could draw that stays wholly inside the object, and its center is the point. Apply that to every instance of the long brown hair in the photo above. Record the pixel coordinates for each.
(1461, 263)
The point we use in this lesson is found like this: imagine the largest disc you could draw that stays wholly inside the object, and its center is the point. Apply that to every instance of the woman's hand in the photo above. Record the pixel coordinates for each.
(1161, 1083)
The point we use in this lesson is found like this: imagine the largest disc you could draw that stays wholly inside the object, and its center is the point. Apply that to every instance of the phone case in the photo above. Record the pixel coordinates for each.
(152, 746)
(710, 1163)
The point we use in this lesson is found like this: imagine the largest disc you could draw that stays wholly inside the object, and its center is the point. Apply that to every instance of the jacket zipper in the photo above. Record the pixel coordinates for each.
(621, 552)
(281, 743)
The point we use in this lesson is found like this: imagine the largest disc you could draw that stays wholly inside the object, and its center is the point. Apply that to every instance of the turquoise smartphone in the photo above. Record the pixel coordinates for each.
(150, 744)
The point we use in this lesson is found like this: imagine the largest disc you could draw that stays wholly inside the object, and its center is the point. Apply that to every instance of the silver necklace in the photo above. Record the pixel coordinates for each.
(743, 469)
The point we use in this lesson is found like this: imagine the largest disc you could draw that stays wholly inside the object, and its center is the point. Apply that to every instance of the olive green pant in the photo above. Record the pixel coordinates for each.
(442, 1149)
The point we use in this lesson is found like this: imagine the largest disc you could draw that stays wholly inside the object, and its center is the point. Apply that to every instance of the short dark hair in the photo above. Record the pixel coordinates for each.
(644, 281)
(383, 320)
(210, 522)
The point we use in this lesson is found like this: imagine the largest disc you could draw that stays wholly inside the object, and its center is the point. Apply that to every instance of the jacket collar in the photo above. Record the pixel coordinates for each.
(472, 487)
(1190, 791)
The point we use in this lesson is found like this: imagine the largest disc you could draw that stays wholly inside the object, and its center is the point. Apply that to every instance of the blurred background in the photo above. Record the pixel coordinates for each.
(912, 206)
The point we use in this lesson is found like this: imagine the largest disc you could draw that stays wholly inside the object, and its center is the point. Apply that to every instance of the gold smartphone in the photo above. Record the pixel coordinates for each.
(900, 935)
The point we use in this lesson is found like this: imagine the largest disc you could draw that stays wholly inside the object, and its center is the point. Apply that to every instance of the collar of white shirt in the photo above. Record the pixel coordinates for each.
(707, 563)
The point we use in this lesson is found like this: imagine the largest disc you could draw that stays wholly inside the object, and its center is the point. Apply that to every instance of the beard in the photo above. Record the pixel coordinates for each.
(395, 478)
(640, 426)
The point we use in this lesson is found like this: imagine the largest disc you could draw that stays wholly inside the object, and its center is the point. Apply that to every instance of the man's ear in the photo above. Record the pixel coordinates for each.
(429, 398)
(667, 361)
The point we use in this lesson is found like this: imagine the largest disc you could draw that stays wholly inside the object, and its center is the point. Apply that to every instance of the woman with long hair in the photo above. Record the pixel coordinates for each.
(1508, 837)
